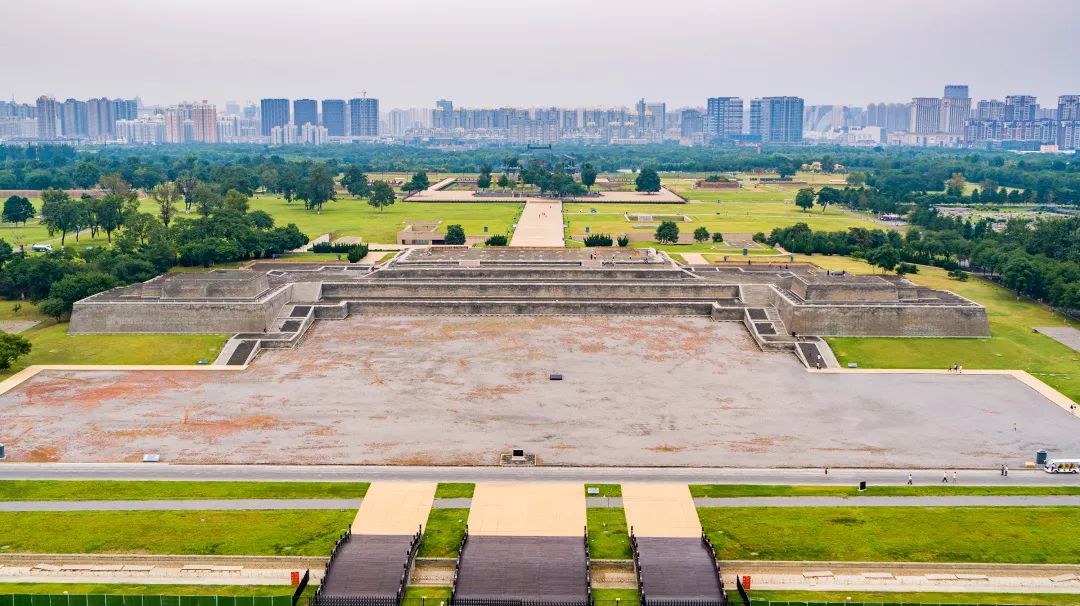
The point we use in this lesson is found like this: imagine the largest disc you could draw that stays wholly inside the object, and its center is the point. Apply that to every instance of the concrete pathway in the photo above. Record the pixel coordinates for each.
(959, 501)
(394, 508)
(495, 473)
(1065, 335)
(541, 224)
(528, 510)
(181, 505)
(660, 510)
(694, 258)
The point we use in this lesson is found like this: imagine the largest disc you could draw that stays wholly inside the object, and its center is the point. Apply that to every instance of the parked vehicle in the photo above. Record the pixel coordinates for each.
(1062, 466)
(41, 248)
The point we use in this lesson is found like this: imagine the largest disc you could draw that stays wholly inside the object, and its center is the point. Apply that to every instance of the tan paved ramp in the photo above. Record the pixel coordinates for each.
(395, 508)
(540, 224)
(660, 510)
(536, 509)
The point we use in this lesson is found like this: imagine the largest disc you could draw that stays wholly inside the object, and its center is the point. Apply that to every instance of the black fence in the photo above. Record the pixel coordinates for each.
(503, 602)
(588, 569)
(414, 546)
(742, 591)
(300, 587)
(353, 600)
(457, 565)
(716, 567)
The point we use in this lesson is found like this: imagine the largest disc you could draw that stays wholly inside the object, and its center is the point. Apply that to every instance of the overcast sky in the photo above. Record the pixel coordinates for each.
(408, 53)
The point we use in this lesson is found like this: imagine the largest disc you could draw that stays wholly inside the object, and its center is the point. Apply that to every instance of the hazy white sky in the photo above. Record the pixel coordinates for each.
(566, 52)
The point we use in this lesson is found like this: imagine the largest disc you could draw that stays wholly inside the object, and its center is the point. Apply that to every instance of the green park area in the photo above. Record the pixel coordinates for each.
(124, 490)
(727, 491)
(1012, 343)
(51, 344)
(443, 533)
(608, 535)
(272, 532)
(348, 216)
(1032, 535)
(454, 490)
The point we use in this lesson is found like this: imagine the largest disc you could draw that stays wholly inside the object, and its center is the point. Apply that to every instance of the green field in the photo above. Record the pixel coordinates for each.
(611, 597)
(454, 490)
(606, 490)
(52, 345)
(138, 589)
(443, 532)
(899, 597)
(723, 491)
(274, 532)
(608, 536)
(415, 594)
(354, 217)
(1012, 345)
(1038, 535)
(119, 490)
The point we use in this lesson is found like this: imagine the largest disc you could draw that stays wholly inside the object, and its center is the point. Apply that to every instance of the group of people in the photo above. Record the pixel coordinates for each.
(957, 368)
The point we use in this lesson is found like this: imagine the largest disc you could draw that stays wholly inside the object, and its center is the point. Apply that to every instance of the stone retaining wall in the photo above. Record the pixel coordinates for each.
(526, 308)
(899, 320)
(537, 290)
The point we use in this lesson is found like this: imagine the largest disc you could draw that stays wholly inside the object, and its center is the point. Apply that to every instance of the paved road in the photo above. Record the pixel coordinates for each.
(180, 505)
(357, 473)
(541, 224)
(960, 501)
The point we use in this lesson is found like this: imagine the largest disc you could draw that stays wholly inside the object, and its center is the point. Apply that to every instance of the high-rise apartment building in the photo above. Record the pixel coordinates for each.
(125, 109)
(73, 118)
(204, 122)
(443, 114)
(333, 117)
(692, 123)
(1021, 108)
(177, 117)
(101, 119)
(723, 118)
(956, 91)
(955, 109)
(274, 112)
(777, 119)
(364, 117)
(893, 117)
(1068, 107)
(48, 117)
(990, 109)
(926, 115)
(305, 111)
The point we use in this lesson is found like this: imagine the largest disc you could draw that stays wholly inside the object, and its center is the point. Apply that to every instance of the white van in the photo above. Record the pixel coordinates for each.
(41, 248)
(1062, 466)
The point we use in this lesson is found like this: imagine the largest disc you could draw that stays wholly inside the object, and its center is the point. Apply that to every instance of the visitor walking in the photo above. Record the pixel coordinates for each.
(959, 369)
(954, 477)
(1002, 472)
(945, 478)
(1006, 471)
(909, 479)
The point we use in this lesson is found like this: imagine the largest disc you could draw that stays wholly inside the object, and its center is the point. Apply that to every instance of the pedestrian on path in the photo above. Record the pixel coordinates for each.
(826, 471)
(1002, 472)
(909, 479)
(1006, 471)
(945, 478)
(959, 369)
(954, 477)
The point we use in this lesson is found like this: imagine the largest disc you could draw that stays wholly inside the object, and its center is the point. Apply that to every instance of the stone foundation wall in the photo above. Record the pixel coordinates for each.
(107, 316)
(858, 292)
(884, 320)
(538, 290)
(525, 308)
(531, 274)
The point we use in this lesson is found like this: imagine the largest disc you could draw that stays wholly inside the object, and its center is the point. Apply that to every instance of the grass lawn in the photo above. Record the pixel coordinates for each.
(606, 490)
(607, 597)
(93, 490)
(454, 490)
(149, 589)
(608, 537)
(897, 597)
(415, 592)
(752, 490)
(1012, 345)
(353, 217)
(443, 532)
(1043, 535)
(274, 532)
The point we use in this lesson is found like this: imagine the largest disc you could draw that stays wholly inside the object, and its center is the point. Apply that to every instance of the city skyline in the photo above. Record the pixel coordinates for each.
(838, 53)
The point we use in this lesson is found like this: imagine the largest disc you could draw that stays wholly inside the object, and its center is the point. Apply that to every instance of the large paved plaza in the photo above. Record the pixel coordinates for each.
(455, 390)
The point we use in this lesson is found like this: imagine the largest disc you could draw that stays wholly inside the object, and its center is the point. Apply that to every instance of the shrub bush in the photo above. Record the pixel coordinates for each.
(624, 241)
(717, 237)
(496, 240)
(598, 240)
(357, 252)
(331, 247)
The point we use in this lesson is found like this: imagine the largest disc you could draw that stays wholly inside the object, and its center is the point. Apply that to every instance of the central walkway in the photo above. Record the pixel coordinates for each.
(541, 224)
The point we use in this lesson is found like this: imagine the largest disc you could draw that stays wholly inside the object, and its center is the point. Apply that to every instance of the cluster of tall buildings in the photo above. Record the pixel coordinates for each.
(952, 120)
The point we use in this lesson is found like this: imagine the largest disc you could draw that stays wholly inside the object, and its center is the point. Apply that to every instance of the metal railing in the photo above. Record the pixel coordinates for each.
(457, 566)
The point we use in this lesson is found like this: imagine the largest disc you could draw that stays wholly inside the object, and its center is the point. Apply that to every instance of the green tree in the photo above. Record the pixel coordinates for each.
(701, 234)
(504, 181)
(206, 199)
(186, 185)
(483, 181)
(166, 195)
(419, 182)
(236, 200)
(886, 257)
(86, 174)
(828, 195)
(588, 176)
(11, 347)
(109, 214)
(381, 195)
(59, 213)
(647, 181)
(18, 209)
(76, 287)
(804, 199)
(355, 181)
(317, 188)
(667, 233)
(54, 308)
(455, 234)
(717, 237)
